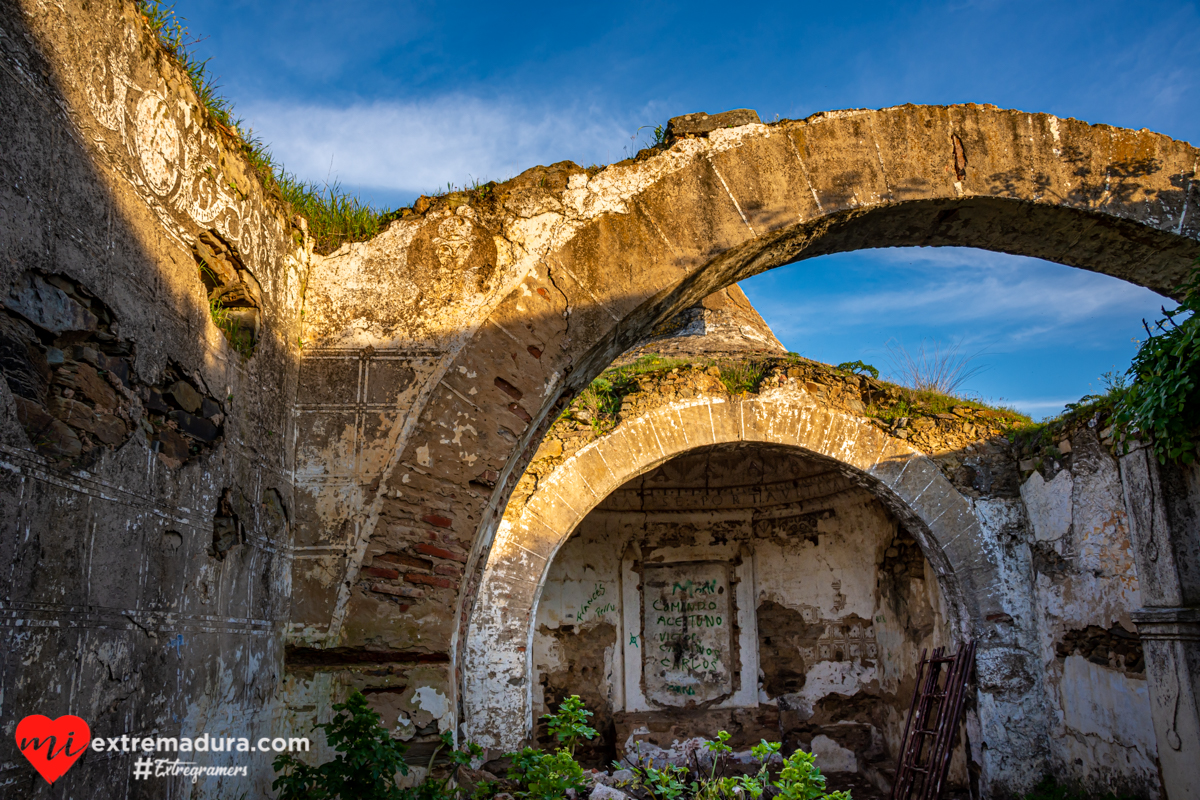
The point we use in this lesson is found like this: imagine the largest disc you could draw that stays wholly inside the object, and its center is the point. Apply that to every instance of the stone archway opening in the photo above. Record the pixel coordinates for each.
(745, 587)
(693, 424)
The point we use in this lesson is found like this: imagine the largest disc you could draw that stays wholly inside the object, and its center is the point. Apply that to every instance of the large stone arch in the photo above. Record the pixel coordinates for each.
(436, 354)
(497, 658)
(482, 313)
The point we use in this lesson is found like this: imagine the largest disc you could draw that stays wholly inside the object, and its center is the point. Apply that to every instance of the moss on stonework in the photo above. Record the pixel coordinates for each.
(968, 440)
(928, 418)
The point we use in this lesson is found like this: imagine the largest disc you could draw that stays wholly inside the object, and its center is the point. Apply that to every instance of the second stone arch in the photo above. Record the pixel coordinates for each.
(669, 570)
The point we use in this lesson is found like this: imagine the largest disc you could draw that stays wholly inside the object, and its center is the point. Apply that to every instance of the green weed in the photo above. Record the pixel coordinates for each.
(334, 217)
(240, 339)
(367, 762)
(549, 776)
(857, 368)
(173, 36)
(1162, 398)
(741, 377)
(599, 405)
(799, 778)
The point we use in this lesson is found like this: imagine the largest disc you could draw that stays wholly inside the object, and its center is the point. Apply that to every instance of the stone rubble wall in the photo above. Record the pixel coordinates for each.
(147, 501)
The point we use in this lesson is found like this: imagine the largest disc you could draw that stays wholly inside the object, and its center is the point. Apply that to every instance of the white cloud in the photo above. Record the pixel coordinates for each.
(990, 299)
(419, 146)
(1040, 405)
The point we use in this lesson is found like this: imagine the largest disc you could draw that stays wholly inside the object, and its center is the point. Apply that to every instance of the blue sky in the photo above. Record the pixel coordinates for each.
(398, 99)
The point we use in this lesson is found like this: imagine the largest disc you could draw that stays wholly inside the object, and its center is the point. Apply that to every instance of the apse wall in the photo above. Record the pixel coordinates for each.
(841, 604)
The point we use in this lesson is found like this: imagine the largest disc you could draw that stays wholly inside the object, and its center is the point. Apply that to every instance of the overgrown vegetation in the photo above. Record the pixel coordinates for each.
(334, 217)
(858, 368)
(368, 762)
(912, 403)
(796, 777)
(549, 775)
(240, 338)
(742, 377)
(1162, 398)
(599, 405)
(658, 135)
(173, 36)
(1157, 397)
(937, 368)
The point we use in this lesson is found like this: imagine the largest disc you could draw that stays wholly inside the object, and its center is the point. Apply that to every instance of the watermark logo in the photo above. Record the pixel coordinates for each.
(52, 745)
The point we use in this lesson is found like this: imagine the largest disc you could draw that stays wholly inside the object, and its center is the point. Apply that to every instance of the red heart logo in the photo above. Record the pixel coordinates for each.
(50, 744)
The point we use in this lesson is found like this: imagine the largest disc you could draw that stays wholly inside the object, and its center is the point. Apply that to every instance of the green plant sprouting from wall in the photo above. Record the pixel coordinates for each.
(859, 367)
(334, 217)
(742, 377)
(1162, 398)
(240, 339)
(173, 37)
(599, 405)
(658, 134)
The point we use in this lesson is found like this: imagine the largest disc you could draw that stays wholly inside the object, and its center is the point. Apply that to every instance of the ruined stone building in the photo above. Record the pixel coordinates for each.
(240, 477)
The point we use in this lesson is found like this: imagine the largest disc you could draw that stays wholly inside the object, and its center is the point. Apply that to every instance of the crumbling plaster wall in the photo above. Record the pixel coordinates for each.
(434, 356)
(146, 507)
(1082, 560)
(462, 292)
(799, 404)
(437, 355)
(1064, 689)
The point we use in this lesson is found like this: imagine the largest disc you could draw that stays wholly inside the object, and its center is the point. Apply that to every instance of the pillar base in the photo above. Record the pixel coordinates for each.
(1171, 644)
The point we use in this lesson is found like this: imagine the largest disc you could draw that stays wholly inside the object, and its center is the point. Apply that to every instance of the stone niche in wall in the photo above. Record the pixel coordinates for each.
(746, 588)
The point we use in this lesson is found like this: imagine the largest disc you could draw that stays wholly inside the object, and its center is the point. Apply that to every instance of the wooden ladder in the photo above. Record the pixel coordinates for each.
(932, 722)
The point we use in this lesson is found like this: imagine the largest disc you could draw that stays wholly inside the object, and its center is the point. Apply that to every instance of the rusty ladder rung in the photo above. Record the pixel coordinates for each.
(941, 706)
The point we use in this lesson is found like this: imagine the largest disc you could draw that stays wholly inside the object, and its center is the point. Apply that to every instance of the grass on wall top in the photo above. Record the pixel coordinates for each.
(334, 217)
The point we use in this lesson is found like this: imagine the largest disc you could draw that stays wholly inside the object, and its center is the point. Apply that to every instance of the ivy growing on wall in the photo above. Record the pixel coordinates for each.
(1162, 398)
